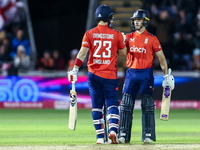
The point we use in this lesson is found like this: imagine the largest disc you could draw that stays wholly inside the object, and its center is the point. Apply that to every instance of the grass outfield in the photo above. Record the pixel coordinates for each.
(50, 127)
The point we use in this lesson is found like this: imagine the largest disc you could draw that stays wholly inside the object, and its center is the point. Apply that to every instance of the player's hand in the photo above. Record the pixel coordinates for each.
(124, 36)
(72, 75)
(168, 80)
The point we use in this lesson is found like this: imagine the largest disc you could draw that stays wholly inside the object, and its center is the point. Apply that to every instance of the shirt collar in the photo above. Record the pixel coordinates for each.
(101, 26)
(145, 31)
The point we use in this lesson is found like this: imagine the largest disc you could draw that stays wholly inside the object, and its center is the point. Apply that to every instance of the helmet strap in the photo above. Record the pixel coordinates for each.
(140, 28)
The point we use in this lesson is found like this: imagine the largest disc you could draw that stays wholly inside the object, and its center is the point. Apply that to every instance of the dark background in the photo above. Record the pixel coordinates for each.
(58, 24)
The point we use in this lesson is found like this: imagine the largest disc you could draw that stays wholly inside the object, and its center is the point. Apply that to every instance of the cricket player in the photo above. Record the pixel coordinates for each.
(141, 47)
(103, 44)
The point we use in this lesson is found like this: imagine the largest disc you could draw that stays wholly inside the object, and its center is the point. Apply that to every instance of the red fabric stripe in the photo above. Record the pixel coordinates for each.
(6, 8)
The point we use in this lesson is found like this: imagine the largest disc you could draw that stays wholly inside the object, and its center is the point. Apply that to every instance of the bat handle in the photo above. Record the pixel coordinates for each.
(169, 71)
(73, 87)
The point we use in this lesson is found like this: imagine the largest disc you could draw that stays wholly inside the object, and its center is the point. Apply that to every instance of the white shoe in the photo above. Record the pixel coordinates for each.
(147, 141)
(122, 140)
(109, 141)
(113, 137)
(100, 141)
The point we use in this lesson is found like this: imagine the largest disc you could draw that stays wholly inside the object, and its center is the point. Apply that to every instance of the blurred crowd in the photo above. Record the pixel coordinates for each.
(176, 23)
(52, 60)
(14, 44)
(15, 49)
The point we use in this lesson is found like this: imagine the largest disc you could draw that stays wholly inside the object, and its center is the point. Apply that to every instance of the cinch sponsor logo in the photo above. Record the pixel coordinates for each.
(136, 49)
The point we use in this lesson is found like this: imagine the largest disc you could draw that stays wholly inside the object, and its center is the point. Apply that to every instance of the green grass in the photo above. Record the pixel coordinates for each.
(50, 127)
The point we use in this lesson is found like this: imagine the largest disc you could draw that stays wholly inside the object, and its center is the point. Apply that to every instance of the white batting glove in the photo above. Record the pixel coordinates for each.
(72, 75)
(168, 80)
(124, 36)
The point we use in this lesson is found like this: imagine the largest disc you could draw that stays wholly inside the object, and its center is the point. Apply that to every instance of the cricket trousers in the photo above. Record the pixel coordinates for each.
(104, 91)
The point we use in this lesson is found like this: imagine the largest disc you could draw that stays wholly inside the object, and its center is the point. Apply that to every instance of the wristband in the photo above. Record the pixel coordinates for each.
(78, 62)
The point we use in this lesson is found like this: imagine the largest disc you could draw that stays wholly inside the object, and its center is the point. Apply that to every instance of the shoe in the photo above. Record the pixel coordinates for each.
(113, 137)
(122, 140)
(147, 141)
(100, 141)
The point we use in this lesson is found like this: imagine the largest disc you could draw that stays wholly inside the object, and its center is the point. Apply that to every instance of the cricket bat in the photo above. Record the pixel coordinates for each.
(166, 97)
(73, 108)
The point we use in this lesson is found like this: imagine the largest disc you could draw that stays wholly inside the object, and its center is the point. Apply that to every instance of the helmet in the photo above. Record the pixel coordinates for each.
(140, 14)
(104, 13)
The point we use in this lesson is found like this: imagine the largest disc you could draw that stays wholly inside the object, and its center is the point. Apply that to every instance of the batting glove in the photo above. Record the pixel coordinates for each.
(72, 75)
(168, 81)
(124, 36)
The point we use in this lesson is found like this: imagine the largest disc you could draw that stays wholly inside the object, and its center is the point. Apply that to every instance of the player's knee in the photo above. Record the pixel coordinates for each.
(147, 103)
(113, 110)
(127, 103)
(96, 113)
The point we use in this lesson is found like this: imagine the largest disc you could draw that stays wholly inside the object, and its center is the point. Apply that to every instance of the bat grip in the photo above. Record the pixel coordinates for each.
(73, 87)
(169, 71)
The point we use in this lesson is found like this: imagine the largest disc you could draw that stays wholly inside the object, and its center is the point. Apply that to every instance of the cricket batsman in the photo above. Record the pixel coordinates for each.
(103, 44)
(141, 47)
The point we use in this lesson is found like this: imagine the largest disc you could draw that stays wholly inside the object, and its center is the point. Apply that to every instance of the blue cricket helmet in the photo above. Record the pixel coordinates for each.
(141, 14)
(104, 13)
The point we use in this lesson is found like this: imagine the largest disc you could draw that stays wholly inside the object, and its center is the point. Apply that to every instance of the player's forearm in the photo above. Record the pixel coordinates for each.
(122, 52)
(81, 56)
(162, 60)
(82, 53)
(163, 65)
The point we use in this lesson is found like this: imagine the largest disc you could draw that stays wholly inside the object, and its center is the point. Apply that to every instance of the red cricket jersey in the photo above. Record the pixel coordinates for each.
(140, 49)
(103, 44)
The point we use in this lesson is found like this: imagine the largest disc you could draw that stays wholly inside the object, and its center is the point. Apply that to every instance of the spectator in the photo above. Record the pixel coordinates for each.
(59, 62)
(149, 3)
(46, 62)
(196, 59)
(181, 24)
(5, 60)
(182, 56)
(19, 40)
(4, 56)
(164, 32)
(73, 54)
(190, 7)
(21, 60)
(2, 36)
(198, 14)
(196, 32)
(170, 5)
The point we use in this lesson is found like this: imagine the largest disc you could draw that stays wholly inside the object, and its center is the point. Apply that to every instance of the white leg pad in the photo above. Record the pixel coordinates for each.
(99, 121)
(100, 131)
(113, 125)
